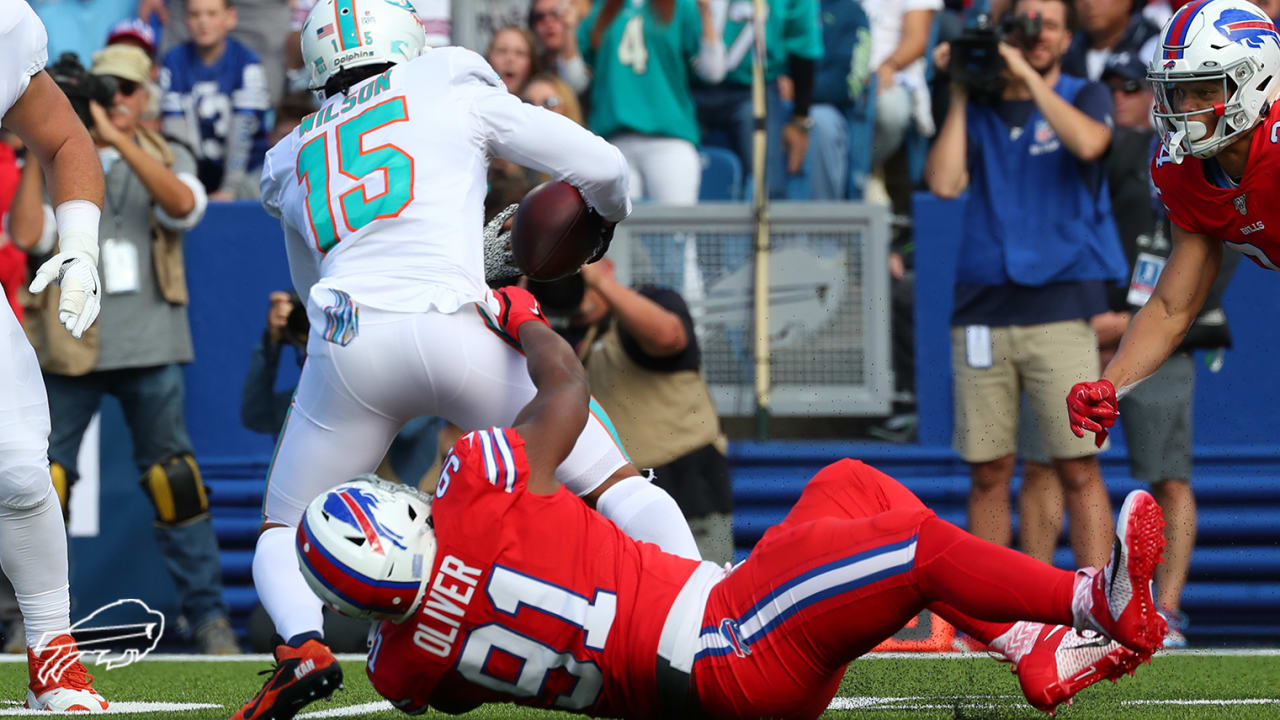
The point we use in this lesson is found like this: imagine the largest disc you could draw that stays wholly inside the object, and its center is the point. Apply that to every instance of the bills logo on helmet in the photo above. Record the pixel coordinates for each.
(1242, 26)
(356, 508)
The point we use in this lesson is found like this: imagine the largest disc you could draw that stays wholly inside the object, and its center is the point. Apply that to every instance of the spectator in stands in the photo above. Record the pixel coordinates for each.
(216, 100)
(899, 38)
(840, 95)
(512, 56)
(793, 45)
(1038, 245)
(262, 26)
(133, 31)
(1108, 27)
(555, 25)
(1271, 7)
(1157, 413)
(135, 350)
(263, 409)
(645, 369)
(549, 91)
(644, 56)
(77, 26)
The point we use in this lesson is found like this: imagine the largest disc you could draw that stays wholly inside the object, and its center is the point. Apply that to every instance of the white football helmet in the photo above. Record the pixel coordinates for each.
(349, 33)
(366, 548)
(1231, 41)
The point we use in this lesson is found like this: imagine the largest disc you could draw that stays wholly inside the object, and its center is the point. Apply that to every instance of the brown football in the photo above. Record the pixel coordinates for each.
(554, 232)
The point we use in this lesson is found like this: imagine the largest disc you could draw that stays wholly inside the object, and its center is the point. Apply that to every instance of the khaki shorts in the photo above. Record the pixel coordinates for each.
(1042, 360)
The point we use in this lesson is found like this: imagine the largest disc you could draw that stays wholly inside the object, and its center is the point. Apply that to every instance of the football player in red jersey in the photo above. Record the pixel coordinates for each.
(506, 588)
(1216, 77)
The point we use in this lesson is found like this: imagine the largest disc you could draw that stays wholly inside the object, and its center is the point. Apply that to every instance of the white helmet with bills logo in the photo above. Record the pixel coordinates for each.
(366, 548)
(341, 34)
(1230, 41)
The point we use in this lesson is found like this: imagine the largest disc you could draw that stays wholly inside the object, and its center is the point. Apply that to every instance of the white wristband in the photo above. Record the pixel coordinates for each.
(77, 222)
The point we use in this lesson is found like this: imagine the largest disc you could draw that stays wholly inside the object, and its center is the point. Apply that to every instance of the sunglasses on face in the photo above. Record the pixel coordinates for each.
(537, 17)
(1128, 87)
(127, 87)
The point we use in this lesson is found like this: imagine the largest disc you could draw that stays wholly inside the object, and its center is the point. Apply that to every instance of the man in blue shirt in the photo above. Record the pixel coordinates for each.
(216, 99)
(1038, 243)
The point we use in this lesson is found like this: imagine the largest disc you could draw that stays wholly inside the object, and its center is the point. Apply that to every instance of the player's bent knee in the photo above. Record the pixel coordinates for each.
(875, 486)
(176, 490)
(24, 484)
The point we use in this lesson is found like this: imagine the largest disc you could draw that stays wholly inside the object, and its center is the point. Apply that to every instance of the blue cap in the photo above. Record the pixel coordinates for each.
(1125, 65)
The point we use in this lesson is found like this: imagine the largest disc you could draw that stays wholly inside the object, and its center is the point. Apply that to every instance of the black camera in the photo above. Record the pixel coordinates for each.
(80, 86)
(975, 55)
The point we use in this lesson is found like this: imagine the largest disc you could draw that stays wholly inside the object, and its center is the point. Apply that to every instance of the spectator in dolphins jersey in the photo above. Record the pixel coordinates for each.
(643, 56)
(216, 100)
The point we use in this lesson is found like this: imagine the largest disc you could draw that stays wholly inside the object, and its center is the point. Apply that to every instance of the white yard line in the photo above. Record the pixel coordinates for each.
(120, 708)
(349, 710)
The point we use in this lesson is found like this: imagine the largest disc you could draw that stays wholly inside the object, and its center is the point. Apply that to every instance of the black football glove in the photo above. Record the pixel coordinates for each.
(499, 267)
(606, 237)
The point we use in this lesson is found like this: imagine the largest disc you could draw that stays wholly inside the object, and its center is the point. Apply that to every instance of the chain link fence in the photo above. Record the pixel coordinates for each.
(828, 299)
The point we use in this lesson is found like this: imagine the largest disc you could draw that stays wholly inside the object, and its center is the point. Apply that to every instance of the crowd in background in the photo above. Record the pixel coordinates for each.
(860, 107)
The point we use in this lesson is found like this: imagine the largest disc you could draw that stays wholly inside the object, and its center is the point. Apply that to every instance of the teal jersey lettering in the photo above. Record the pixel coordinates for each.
(791, 28)
(642, 70)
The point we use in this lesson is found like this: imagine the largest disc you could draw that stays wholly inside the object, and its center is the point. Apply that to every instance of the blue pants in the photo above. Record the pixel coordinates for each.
(151, 398)
(728, 108)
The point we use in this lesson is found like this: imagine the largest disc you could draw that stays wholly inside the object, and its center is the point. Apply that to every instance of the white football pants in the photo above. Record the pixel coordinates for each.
(33, 538)
(351, 401)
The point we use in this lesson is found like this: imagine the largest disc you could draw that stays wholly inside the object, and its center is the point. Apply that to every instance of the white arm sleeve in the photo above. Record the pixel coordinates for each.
(575, 73)
(192, 218)
(540, 139)
(710, 64)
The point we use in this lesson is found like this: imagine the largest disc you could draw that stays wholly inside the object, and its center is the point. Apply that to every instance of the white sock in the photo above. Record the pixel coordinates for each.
(33, 554)
(1018, 640)
(293, 607)
(1082, 600)
(647, 513)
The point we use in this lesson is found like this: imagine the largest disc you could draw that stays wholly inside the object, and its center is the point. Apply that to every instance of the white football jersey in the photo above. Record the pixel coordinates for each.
(381, 191)
(24, 50)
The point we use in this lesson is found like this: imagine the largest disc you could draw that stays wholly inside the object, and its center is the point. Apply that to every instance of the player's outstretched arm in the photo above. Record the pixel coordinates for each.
(1162, 323)
(43, 118)
(1153, 333)
(552, 421)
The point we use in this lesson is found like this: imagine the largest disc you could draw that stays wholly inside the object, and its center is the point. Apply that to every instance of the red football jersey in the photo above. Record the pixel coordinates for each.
(1246, 217)
(533, 599)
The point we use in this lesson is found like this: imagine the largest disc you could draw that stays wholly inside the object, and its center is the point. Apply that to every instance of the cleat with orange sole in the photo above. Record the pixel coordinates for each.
(302, 675)
(58, 682)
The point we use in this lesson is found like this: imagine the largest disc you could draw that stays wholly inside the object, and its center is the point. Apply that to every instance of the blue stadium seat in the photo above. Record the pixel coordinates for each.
(721, 175)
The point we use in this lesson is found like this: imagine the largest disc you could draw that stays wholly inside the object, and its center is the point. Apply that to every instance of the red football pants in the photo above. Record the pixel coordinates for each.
(856, 558)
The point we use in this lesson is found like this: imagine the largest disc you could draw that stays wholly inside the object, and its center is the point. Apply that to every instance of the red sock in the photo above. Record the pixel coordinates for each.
(980, 630)
(987, 582)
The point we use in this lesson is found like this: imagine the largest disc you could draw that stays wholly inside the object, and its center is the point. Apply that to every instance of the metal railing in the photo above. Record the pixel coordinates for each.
(828, 299)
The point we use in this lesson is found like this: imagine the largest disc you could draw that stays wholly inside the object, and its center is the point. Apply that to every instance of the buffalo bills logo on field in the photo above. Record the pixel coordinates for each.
(730, 631)
(355, 507)
(1242, 26)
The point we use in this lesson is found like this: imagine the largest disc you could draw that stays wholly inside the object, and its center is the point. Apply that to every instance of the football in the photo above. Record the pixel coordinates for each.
(554, 232)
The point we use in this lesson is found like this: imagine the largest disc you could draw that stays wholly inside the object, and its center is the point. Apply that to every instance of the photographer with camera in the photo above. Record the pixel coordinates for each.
(142, 336)
(1038, 246)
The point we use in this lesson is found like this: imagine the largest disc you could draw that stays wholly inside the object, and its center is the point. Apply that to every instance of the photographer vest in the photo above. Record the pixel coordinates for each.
(660, 416)
(57, 351)
(1031, 219)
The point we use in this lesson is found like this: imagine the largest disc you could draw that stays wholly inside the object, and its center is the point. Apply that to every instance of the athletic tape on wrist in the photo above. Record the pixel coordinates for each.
(77, 222)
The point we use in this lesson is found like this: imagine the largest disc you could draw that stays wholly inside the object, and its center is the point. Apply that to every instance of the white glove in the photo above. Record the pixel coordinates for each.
(77, 275)
(499, 267)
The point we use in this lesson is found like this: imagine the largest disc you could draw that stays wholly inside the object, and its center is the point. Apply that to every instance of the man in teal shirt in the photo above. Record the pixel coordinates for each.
(793, 45)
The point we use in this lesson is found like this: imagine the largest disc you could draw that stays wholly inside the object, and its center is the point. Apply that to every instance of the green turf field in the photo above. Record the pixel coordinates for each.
(1175, 686)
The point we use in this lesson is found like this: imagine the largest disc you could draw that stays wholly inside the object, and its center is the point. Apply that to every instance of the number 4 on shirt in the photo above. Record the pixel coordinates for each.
(355, 163)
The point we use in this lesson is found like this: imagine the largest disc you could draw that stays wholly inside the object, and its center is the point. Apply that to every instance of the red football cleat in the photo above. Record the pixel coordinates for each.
(1061, 662)
(58, 682)
(1117, 602)
(301, 675)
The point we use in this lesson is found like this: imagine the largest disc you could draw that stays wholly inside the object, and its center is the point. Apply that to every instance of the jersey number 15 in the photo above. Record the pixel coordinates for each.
(355, 163)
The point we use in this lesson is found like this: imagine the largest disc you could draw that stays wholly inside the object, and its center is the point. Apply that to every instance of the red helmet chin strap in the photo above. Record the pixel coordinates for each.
(1219, 109)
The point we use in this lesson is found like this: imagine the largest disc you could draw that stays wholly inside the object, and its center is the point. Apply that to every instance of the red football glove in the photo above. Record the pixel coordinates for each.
(1092, 406)
(517, 306)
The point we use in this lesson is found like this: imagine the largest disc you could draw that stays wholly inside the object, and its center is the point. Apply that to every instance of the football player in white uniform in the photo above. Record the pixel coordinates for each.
(33, 541)
(380, 194)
